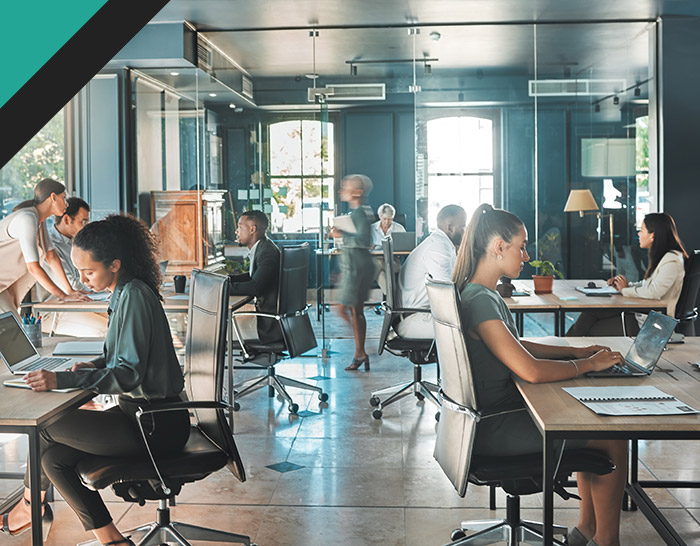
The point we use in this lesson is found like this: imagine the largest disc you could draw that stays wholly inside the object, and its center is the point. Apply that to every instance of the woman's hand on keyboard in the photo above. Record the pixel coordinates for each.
(41, 380)
(605, 359)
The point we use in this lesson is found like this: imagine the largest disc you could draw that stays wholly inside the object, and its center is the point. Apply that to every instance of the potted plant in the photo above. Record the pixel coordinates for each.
(543, 282)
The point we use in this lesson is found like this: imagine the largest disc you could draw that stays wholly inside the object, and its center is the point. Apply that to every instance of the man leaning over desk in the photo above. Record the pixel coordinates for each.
(262, 279)
(61, 230)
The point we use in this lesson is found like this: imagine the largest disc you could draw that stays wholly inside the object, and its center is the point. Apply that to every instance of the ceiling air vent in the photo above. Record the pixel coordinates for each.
(346, 92)
(204, 56)
(569, 88)
(247, 86)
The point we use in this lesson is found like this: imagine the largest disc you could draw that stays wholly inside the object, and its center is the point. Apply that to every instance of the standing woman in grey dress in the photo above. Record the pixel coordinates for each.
(493, 246)
(356, 263)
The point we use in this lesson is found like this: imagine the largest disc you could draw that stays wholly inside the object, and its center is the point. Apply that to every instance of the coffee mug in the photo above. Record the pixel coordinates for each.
(179, 283)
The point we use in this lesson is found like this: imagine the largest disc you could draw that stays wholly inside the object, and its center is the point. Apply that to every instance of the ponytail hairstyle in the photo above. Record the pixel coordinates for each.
(486, 223)
(42, 191)
(665, 240)
(127, 239)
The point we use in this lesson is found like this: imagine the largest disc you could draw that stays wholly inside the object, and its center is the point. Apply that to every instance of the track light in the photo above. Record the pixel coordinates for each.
(616, 100)
(428, 69)
(353, 70)
(637, 91)
(597, 108)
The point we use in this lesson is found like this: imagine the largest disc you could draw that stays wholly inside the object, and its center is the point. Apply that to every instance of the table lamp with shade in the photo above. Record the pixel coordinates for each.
(582, 201)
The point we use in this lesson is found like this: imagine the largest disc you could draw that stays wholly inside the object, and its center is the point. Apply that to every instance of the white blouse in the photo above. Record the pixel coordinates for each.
(378, 234)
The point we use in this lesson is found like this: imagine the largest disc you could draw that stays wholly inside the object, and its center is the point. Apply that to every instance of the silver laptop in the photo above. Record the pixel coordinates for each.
(646, 350)
(403, 241)
(19, 353)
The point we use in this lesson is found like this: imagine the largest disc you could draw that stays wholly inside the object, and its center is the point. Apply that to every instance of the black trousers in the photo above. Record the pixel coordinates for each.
(603, 323)
(114, 433)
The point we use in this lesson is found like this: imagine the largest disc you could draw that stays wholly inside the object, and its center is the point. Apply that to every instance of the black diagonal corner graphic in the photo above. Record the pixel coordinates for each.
(70, 69)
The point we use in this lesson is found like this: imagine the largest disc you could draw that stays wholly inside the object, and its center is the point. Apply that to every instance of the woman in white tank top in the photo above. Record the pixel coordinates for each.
(23, 242)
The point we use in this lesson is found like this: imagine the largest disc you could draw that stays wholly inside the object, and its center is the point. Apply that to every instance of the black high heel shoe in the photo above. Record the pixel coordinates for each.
(356, 363)
(46, 522)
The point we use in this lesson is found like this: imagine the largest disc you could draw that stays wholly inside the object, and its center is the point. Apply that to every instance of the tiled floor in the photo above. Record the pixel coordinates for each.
(359, 481)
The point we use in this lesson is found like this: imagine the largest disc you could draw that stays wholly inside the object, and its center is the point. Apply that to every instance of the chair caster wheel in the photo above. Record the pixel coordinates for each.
(374, 401)
(293, 408)
(323, 397)
(377, 414)
(437, 416)
(420, 397)
(458, 534)
(236, 406)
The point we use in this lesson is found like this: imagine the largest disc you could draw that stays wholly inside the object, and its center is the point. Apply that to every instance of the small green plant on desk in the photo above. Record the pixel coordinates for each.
(547, 267)
(235, 267)
(544, 282)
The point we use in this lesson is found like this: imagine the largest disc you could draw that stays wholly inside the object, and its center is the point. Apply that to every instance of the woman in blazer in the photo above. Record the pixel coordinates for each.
(663, 279)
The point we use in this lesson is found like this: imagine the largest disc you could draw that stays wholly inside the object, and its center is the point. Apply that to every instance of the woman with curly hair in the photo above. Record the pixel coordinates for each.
(138, 363)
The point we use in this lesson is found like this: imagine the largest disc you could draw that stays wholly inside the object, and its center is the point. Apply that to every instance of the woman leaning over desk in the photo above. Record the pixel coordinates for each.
(24, 241)
(138, 363)
(663, 279)
(494, 245)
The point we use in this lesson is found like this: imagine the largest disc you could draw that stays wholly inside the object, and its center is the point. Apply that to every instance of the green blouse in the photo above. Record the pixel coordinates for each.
(138, 359)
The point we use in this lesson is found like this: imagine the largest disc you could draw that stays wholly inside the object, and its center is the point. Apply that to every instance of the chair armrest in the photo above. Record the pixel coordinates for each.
(170, 406)
(173, 406)
(476, 415)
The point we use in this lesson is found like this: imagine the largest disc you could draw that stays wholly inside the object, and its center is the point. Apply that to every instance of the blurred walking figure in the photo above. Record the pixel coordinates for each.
(356, 263)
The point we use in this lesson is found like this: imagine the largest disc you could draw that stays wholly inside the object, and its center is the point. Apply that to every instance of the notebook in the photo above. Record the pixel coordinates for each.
(646, 350)
(642, 400)
(403, 241)
(87, 348)
(20, 355)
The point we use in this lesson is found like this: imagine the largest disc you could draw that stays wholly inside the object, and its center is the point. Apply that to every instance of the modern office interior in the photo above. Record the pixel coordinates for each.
(211, 108)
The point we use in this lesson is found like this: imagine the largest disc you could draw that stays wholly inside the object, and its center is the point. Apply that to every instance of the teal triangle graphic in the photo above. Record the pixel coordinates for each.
(33, 33)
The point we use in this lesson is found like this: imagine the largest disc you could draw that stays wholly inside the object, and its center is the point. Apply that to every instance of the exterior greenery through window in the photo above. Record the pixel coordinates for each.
(642, 167)
(42, 157)
(302, 171)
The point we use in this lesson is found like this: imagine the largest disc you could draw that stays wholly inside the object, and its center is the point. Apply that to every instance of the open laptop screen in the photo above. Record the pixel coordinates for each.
(14, 345)
(651, 340)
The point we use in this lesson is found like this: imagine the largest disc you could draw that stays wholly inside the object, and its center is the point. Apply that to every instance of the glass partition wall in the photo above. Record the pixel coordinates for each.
(513, 115)
(520, 115)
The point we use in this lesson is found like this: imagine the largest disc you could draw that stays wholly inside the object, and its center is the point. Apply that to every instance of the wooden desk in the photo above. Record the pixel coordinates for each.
(23, 411)
(565, 289)
(558, 417)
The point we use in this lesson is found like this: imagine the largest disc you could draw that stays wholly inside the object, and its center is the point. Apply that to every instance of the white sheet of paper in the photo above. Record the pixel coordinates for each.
(344, 223)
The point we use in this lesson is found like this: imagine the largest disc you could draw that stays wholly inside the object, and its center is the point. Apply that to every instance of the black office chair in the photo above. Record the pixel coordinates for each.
(419, 351)
(297, 335)
(210, 446)
(686, 308)
(516, 475)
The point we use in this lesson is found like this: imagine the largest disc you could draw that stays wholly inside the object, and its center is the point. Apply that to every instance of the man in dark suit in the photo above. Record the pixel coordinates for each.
(262, 281)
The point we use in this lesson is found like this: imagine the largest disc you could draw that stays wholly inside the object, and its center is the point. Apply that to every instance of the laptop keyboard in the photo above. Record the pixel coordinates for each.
(620, 370)
(47, 363)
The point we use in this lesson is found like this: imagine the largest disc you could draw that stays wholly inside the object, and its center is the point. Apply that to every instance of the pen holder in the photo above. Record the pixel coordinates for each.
(33, 332)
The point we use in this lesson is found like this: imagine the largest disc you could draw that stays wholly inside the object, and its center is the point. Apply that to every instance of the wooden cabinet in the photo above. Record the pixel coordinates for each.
(190, 225)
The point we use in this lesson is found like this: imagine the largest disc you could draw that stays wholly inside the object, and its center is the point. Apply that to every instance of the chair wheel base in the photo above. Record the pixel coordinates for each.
(293, 408)
(437, 416)
(377, 414)
(458, 534)
(420, 397)
(236, 406)
(374, 401)
(323, 397)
